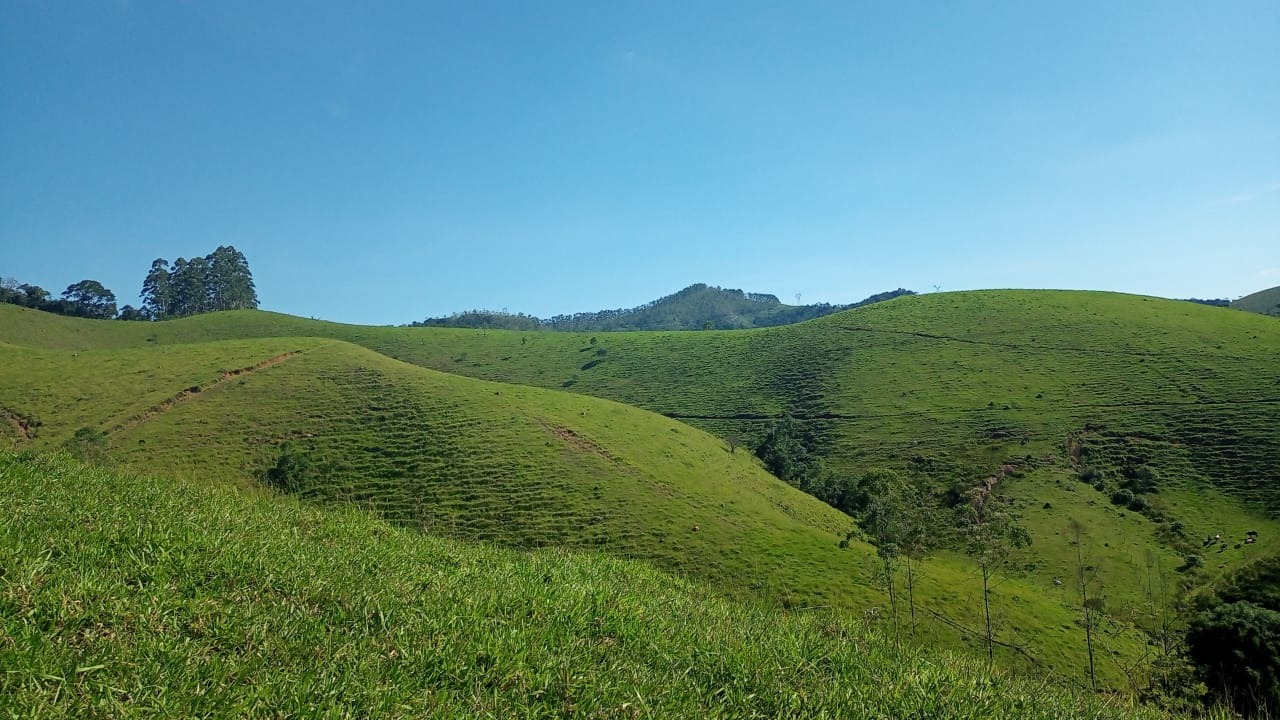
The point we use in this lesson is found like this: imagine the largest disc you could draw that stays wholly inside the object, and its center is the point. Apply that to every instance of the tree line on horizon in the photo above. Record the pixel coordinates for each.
(220, 280)
(697, 307)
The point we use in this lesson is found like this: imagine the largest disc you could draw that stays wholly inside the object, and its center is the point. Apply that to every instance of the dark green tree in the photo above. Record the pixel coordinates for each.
(1237, 648)
(88, 298)
(219, 281)
(157, 290)
(34, 296)
(190, 286)
(230, 283)
(785, 454)
(129, 312)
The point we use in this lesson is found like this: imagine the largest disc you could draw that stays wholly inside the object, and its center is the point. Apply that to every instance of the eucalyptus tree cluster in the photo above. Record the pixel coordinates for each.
(220, 280)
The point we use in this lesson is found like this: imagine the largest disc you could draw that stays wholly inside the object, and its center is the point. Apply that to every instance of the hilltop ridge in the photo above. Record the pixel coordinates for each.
(697, 307)
(1266, 302)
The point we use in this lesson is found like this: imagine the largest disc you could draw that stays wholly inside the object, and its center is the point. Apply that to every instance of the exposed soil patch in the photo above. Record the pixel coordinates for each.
(26, 426)
(224, 377)
(581, 443)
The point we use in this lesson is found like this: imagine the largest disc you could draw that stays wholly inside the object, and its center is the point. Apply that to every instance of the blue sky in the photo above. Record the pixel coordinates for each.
(381, 162)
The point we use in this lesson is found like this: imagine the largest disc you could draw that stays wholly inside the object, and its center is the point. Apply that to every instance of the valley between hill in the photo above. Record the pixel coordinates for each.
(1062, 402)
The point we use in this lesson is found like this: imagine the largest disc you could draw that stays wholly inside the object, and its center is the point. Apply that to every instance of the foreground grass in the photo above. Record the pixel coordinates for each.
(125, 596)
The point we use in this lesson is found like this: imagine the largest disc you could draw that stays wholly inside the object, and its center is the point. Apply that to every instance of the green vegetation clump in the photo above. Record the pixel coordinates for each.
(1237, 647)
(123, 596)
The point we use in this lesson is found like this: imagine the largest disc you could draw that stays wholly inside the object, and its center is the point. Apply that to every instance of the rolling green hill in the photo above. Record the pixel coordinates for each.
(454, 456)
(1266, 302)
(956, 383)
(126, 596)
(1022, 390)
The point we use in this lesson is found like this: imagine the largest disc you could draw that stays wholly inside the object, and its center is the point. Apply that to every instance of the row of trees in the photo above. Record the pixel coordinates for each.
(220, 280)
(87, 298)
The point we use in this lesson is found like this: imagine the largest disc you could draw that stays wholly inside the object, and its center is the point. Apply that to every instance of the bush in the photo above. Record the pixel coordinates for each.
(1090, 474)
(1122, 497)
(1141, 479)
(88, 444)
(293, 472)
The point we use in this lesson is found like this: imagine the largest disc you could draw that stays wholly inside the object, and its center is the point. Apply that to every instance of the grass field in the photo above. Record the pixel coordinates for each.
(124, 596)
(521, 466)
(960, 381)
(947, 388)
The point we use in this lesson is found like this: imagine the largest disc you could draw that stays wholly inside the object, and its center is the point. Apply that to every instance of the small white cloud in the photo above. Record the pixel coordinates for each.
(1269, 272)
(1249, 196)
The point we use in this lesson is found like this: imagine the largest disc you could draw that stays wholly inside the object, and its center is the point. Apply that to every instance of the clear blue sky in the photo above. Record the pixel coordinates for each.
(380, 162)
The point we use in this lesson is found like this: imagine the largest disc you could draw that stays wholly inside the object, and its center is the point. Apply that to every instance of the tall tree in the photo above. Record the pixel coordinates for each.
(230, 281)
(157, 290)
(1084, 577)
(190, 286)
(90, 299)
(892, 512)
(34, 296)
(991, 536)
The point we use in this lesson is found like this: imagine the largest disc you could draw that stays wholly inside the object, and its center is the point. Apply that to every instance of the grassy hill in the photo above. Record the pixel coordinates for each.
(518, 465)
(1266, 302)
(456, 456)
(1027, 389)
(126, 596)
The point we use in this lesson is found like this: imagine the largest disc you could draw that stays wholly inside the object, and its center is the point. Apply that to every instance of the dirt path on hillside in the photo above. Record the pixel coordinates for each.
(224, 377)
(24, 426)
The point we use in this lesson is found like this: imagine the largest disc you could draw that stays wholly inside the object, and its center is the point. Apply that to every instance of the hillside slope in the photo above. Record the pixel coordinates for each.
(953, 385)
(1021, 390)
(452, 455)
(1266, 302)
(133, 597)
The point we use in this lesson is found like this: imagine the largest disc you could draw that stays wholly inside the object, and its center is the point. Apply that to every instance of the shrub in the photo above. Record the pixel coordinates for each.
(87, 444)
(293, 472)
(1141, 479)
(1123, 496)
